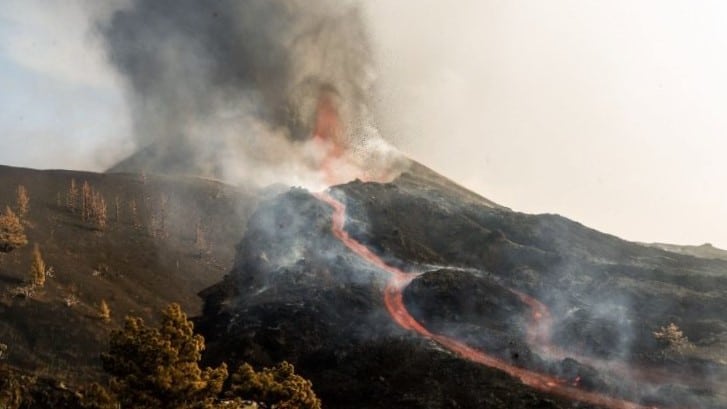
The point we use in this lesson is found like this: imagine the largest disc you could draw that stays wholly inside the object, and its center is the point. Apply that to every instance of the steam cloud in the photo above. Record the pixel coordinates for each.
(229, 88)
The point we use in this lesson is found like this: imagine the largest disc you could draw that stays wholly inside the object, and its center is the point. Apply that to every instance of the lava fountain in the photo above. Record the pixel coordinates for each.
(393, 300)
(328, 133)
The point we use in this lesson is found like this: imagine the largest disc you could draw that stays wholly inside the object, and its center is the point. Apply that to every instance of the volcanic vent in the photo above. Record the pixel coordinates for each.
(251, 92)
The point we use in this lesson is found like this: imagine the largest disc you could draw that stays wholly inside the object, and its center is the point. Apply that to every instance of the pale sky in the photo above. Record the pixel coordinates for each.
(607, 112)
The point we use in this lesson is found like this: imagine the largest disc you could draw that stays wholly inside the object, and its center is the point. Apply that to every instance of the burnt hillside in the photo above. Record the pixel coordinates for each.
(142, 260)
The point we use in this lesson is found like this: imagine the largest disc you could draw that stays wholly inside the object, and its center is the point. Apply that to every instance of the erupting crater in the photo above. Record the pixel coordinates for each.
(328, 134)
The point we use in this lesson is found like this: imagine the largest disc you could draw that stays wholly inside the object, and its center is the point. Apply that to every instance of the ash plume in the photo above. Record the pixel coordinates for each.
(229, 89)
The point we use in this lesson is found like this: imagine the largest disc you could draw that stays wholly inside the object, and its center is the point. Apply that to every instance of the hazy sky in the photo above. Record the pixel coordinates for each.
(610, 113)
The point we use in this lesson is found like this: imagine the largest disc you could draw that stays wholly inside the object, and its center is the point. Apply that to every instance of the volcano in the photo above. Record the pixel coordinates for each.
(415, 292)
(385, 283)
(409, 293)
(402, 289)
(420, 294)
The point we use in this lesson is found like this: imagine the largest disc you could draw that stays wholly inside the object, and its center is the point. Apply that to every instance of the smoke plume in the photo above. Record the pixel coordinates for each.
(233, 89)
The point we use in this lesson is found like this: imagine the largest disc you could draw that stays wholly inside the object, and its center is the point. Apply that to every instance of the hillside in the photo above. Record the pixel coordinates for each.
(142, 260)
(410, 294)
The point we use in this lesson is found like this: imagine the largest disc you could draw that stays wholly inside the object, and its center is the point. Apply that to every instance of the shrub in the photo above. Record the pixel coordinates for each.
(278, 387)
(12, 233)
(159, 368)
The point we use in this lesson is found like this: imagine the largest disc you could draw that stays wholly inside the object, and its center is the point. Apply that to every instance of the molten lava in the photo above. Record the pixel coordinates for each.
(538, 332)
(328, 133)
(393, 299)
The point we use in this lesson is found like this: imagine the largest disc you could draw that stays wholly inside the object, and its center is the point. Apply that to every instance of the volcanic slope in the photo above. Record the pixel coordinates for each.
(150, 253)
(568, 312)
(705, 250)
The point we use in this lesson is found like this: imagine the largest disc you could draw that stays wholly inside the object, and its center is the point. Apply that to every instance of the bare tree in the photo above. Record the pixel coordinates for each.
(98, 212)
(37, 272)
(72, 197)
(86, 198)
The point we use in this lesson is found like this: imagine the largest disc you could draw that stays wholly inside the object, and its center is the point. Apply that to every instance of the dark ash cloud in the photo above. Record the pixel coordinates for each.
(228, 88)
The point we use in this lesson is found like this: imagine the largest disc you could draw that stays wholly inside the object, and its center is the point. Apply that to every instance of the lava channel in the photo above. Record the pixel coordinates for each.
(393, 299)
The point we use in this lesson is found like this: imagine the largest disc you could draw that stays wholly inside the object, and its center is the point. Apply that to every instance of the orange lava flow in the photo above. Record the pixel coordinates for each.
(393, 299)
(538, 332)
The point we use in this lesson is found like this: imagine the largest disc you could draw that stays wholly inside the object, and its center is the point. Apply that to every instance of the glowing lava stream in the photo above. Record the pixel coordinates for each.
(393, 299)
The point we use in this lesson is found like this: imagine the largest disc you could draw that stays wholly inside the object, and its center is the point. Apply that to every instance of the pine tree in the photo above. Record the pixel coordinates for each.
(12, 233)
(159, 367)
(36, 274)
(22, 201)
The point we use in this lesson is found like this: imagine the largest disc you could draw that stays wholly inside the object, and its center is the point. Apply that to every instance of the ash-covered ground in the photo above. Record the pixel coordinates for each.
(297, 293)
